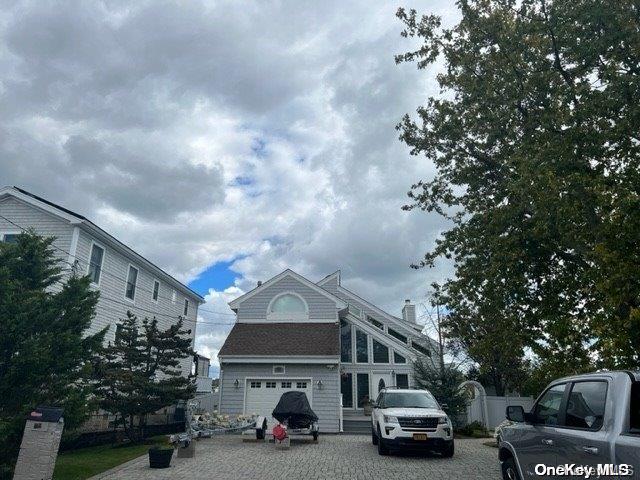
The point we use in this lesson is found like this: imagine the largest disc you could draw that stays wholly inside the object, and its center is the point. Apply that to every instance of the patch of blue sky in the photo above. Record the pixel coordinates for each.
(259, 147)
(243, 181)
(217, 276)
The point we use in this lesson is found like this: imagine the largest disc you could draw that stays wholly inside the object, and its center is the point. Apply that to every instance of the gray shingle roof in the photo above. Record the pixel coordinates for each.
(275, 339)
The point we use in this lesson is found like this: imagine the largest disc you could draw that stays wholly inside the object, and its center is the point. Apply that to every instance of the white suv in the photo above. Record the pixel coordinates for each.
(410, 419)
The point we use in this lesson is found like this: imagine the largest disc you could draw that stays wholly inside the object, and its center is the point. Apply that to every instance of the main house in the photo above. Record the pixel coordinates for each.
(126, 280)
(319, 338)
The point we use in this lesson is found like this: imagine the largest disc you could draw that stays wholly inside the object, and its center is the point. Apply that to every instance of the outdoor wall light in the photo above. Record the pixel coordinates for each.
(319, 384)
(236, 383)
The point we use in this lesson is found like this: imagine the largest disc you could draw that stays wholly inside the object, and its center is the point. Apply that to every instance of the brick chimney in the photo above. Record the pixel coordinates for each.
(409, 311)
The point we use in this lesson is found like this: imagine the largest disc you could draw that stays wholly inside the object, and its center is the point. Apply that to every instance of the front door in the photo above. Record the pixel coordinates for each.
(380, 380)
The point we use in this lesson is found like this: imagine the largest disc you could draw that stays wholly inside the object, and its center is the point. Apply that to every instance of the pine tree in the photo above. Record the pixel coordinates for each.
(140, 372)
(45, 352)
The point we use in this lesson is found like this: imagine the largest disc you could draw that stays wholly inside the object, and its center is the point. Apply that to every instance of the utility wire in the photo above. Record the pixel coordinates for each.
(173, 317)
(106, 272)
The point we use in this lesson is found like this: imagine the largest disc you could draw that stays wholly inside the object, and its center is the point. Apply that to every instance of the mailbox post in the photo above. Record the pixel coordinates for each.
(40, 442)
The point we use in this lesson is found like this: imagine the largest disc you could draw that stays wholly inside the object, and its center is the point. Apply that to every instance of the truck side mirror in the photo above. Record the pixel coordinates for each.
(515, 413)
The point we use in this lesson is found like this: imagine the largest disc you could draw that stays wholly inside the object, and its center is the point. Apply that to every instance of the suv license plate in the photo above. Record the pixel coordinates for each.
(420, 436)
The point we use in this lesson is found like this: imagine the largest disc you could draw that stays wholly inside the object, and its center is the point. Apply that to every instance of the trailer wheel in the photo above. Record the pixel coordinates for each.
(315, 436)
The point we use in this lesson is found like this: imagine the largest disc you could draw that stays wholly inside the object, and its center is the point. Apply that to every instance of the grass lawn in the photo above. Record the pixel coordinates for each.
(86, 462)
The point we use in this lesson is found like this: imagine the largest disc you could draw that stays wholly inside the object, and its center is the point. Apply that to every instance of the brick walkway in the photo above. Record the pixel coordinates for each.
(334, 457)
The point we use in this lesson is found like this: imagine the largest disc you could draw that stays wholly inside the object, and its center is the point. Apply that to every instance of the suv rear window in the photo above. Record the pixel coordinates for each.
(635, 409)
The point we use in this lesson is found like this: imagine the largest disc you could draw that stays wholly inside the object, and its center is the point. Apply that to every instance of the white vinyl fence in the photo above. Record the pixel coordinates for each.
(207, 402)
(494, 413)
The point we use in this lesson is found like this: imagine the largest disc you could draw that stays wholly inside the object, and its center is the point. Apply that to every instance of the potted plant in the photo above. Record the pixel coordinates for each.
(160, 456)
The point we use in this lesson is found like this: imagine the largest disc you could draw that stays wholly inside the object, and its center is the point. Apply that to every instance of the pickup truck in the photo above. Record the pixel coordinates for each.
(586, 426)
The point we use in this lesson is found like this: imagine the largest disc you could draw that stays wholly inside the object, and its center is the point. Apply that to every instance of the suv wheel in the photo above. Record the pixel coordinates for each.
(448, 451)
(509, 470)
(374, 437)
(382, 448)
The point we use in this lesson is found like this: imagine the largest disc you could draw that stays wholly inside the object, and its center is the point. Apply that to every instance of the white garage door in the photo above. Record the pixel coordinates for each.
(263, 395)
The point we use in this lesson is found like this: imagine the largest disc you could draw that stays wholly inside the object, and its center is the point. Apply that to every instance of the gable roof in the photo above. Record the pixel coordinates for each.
(77, 219)
(282, 339)
(341, 304)
(335, 275)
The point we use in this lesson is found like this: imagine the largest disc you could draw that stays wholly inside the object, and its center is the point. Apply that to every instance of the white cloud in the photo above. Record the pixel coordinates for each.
(203, 132)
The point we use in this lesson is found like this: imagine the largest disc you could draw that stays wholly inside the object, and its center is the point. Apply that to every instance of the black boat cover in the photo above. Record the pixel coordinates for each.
(294, 410)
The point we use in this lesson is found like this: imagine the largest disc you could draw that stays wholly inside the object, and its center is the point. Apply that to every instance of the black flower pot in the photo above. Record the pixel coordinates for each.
(160, 457)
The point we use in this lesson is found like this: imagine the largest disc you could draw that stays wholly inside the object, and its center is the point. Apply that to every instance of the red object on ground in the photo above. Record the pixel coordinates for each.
(279, 432)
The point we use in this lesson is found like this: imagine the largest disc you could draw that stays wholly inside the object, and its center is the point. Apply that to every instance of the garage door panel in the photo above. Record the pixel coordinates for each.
(262, 395)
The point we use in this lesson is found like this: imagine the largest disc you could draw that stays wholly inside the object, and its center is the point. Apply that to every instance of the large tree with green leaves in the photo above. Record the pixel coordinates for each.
(45, 352)
(140, 372)
(535, 140)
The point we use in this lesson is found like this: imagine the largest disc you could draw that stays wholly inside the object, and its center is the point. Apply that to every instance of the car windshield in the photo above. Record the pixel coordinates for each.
(409, 400)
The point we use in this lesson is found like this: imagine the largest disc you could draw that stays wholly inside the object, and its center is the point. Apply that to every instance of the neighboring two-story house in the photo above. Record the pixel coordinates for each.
(126, 280)
(319, 338)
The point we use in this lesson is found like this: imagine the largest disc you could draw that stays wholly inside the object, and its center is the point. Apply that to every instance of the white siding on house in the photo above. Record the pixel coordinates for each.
(113, 304)
(325, 400)
(254, 308)
(42, 222)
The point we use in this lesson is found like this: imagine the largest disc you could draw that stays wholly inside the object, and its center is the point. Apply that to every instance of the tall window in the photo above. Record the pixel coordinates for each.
(345, 341)
(380, 352)
(186, 307)
(132, 280)
(363, 388)
(346, 388)
(362, 349)
(397, 358)
(156, 290)
(421, 349)
(95, 263)
(402, 380)
(375, 322)
(398, 335)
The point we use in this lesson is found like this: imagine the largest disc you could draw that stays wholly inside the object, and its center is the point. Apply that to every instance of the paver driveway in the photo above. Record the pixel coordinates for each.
(334, 457)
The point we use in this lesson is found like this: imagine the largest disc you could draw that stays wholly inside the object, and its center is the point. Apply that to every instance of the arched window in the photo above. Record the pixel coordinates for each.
(381, 384)
(288, 306)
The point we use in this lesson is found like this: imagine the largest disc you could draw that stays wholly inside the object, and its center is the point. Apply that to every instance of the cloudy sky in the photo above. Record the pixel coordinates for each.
(225, 141)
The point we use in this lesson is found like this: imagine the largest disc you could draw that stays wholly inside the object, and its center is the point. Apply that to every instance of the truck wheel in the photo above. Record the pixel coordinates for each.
(448, 451)
(315, 436)
(374, 437)
(382, 448)
(509, 470)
